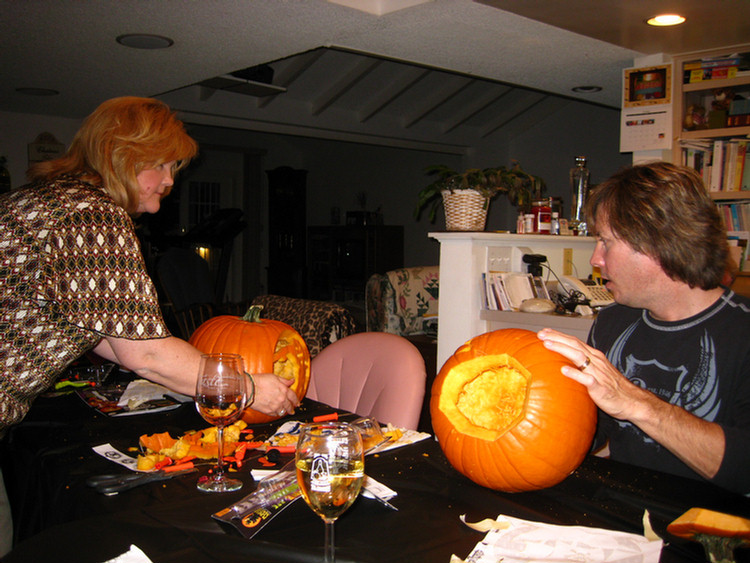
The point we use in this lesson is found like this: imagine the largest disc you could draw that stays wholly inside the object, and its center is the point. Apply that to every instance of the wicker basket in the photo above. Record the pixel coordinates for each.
(465, 210)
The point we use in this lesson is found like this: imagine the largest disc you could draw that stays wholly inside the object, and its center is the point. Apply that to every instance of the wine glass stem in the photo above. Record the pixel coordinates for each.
(220, 451)
(329, 545)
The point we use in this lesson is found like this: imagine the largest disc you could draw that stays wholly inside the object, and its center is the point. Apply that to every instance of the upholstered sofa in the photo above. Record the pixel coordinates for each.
(320, 323)
(400, 301)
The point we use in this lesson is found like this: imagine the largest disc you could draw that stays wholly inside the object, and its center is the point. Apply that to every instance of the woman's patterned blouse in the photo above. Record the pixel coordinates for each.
(71, 271)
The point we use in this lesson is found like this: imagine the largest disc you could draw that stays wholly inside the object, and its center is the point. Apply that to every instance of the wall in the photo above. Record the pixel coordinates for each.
(17, 130)
(390, 176)
(337, 171)
(549, 149)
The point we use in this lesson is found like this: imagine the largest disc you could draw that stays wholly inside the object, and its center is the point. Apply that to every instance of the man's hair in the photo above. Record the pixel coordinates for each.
(118, 140)
(664, 211)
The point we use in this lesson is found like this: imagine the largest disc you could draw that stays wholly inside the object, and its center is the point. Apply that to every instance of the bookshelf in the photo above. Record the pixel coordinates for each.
(702, 130)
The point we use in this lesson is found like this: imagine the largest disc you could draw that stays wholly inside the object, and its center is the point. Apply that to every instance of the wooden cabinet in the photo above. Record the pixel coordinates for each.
(342, 258)
(701, 96)
(287, 229)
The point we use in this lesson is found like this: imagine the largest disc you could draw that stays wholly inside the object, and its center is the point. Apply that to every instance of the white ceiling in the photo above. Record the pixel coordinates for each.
(335, 60)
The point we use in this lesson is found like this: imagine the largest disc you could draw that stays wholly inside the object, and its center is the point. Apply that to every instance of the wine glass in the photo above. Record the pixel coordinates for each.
(220, 396)
(330, 469)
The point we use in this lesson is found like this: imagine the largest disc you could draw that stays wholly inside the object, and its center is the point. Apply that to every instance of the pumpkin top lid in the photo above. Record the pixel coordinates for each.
(703, 521)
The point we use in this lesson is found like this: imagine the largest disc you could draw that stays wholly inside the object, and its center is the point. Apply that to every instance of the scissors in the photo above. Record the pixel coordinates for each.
(113, 484)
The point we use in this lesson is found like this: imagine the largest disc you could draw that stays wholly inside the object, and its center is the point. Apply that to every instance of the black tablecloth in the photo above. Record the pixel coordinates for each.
(48, 457)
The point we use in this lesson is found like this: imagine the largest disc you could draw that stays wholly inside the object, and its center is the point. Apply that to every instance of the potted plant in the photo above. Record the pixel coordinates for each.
(466, 195)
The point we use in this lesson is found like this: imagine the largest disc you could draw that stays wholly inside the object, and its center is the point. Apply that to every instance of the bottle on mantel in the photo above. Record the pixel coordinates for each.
(579, 186)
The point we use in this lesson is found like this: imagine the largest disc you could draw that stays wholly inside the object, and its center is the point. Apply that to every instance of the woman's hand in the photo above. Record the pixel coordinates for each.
(174, 363)
(273, 395)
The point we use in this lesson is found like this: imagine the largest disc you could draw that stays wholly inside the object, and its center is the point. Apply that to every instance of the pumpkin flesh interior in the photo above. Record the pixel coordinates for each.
(286, 361)
(486, 396)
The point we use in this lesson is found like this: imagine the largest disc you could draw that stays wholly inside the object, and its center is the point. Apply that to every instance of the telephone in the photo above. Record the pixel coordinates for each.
(597, 295)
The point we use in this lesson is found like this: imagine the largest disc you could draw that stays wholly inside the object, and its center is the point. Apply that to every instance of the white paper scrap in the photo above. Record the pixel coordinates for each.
(141, 391)
(133, 555)
(113, 454)
(522, 541)
(372, 488)
(407, 437)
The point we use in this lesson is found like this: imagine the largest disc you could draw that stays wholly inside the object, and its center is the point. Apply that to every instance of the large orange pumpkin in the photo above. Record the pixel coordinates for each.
(266, 346)
(506, 417)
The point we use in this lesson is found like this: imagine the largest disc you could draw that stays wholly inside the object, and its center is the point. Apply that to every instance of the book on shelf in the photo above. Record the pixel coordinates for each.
(707, 74)
(505, 291)
(713, 62)
(723, 163)
(736, 215)
(740, 166)
(501, 294)
(717, 166)
(488, 299)
(739, 243)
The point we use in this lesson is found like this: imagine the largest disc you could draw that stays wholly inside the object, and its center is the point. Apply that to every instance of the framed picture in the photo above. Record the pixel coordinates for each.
(647, 86)
(45, 147)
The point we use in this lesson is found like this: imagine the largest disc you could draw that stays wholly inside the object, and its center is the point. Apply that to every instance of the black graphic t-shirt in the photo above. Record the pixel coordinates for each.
(701, 364)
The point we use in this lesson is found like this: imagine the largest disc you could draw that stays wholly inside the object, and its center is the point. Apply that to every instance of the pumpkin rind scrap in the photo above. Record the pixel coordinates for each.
(266, 346)
(506, 417)
(703, 521)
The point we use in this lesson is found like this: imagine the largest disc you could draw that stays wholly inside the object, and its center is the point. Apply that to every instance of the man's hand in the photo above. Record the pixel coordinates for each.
(698, 443)
(608, 388)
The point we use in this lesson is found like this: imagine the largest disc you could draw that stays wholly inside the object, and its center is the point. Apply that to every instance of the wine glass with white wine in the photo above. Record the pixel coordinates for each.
(330, 469)
(220, 396)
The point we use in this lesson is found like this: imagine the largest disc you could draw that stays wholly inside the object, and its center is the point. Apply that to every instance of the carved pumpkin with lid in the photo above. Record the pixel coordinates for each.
(266, 346)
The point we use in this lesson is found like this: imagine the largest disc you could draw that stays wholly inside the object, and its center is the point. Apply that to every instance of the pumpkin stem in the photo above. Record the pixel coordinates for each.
(253, 314)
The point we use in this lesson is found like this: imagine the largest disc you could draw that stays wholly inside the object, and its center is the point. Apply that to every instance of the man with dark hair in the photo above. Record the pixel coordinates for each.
(669, 364)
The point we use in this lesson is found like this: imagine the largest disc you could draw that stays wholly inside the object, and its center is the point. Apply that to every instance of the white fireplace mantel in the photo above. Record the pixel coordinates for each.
(465, 256)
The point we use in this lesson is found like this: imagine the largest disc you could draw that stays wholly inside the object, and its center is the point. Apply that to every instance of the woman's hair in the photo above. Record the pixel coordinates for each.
(118, 140)
(664, 211)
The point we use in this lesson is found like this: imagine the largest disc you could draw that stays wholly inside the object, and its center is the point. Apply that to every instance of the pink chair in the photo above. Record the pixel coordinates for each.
(374, 374)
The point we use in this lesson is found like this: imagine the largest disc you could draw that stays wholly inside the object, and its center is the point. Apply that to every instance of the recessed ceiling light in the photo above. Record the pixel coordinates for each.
(587, 89)
(38, 91)
(663, 20)
(145, 41)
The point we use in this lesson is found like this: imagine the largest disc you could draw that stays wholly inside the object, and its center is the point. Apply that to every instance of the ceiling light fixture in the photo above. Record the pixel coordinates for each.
(664, 20)
(37, 91)
(144, 41)
(587, 89)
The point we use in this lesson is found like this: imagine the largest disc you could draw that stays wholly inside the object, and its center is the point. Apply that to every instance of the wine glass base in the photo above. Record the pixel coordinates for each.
(209, 484)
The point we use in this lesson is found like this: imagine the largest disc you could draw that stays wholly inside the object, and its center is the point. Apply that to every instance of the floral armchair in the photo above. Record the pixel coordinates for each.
(399, 301)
